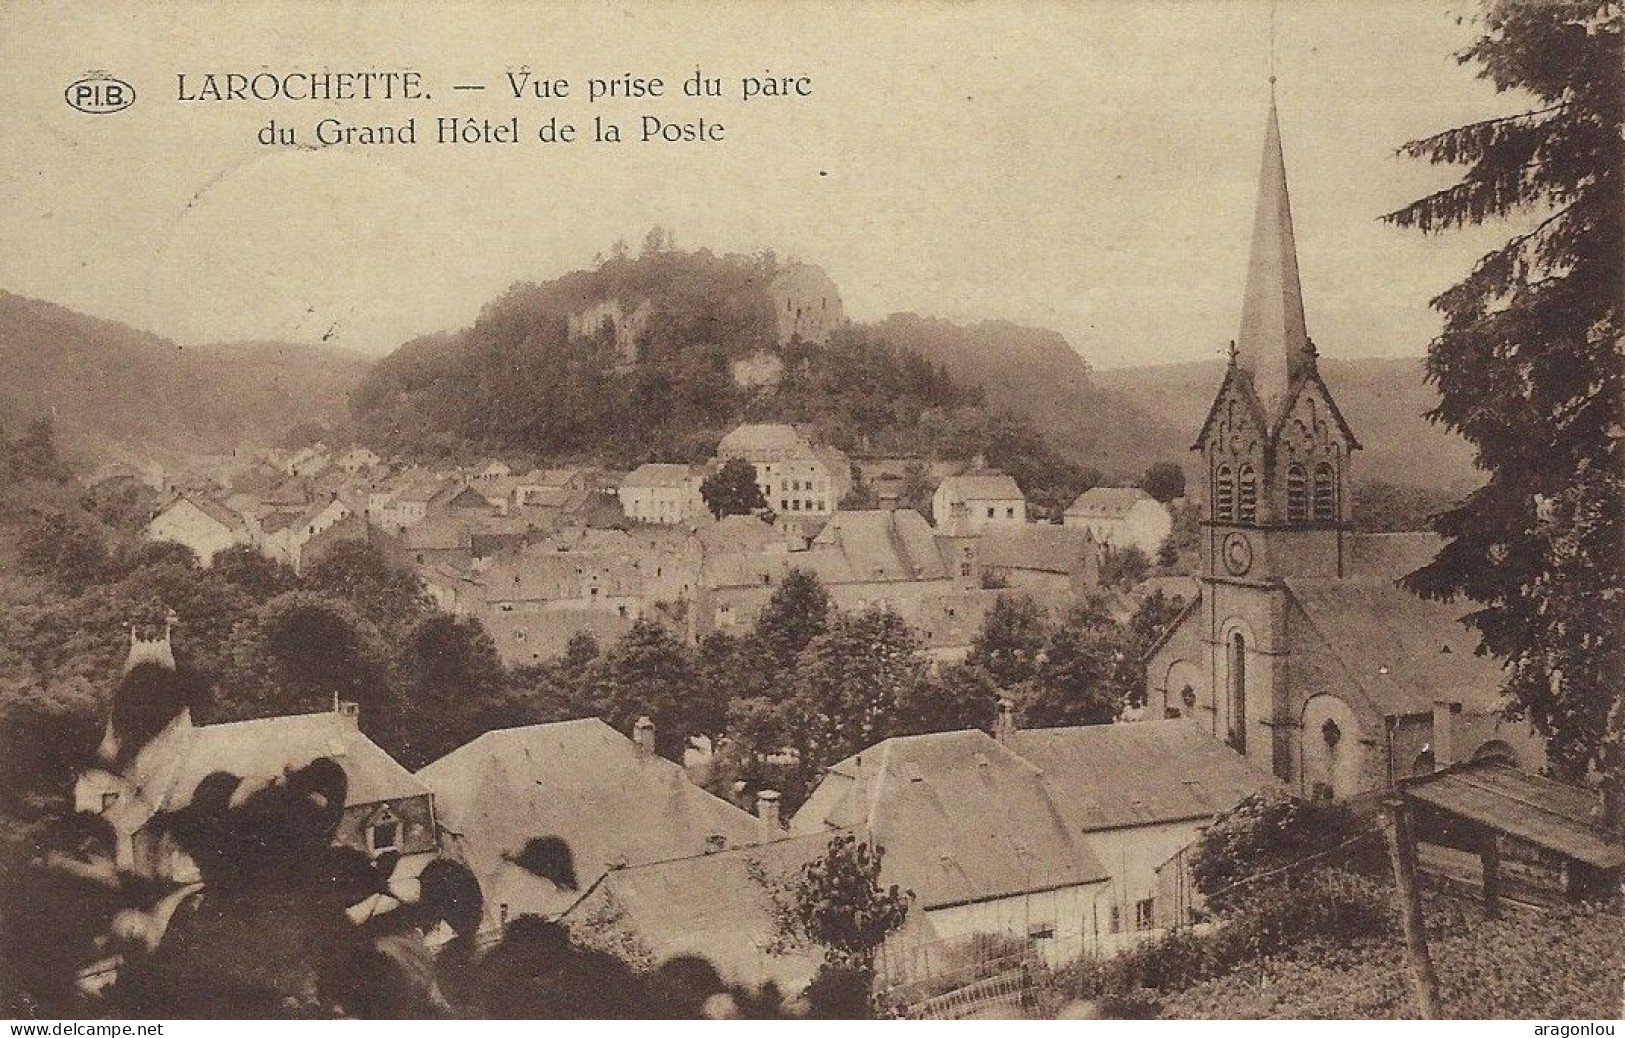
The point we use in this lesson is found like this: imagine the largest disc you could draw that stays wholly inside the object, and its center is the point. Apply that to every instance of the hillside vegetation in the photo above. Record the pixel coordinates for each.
(113, 390)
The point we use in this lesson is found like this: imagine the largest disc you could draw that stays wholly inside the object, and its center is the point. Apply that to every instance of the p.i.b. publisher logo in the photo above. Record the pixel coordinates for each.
(99, 93)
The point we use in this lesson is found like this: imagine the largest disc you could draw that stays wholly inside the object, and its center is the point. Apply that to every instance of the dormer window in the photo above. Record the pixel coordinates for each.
(384, 832)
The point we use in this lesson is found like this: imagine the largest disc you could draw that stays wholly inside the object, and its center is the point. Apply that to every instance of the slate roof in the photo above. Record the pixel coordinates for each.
(713, 906)
(583, 782)
(1107, 502)
(214, 510)
(1391, 555)
(265, 749)
(986, 485)
(1547, 813)
(658, 474)
(1402, 651)
(1041, 547)
(875, 545)
(963, 819)
(763, 440)
(1111, 776)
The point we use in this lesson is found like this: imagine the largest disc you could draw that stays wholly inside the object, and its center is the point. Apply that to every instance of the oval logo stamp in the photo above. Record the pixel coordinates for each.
(99, 94)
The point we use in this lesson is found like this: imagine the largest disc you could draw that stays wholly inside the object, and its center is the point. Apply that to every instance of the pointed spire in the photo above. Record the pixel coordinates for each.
(1273, 345)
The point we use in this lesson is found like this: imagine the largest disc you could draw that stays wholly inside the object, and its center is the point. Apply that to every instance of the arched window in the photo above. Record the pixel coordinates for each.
(1297, 494)
(1325, 493)
(1238, 693)
(1247, 495)
(1224, 495)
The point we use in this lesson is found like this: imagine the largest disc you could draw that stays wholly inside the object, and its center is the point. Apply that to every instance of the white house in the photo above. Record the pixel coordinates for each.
(796, 478)
(207, 527)
(661, 493)
(978, 500)
(1121, 517)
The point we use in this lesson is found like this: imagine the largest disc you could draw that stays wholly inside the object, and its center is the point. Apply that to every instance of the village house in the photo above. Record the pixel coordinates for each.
(1055, 565)
(1139, 796)
(661, 493)
(1300, 650)
(865, 559)
(386, 810)
(611, 800)
(308, 461)
(712, 904)
(199, 523)
(797, 479)
(976, 834)
(356, 459)
(1122, 517)
(978, 500)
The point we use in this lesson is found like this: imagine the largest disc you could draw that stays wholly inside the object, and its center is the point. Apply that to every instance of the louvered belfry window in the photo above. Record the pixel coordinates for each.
(1224, 495)
(1325, 493)
(1297, 494)
(1247, 495)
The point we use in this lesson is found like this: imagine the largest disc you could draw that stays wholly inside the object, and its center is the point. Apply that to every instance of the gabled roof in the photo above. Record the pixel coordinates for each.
(764, 440)
(1402, 651)
(963, 819)
(875, 545)
(1110, 776)
(714, 906)
(1547, 813)
(581, 781)
(1108, 502)
(213, 509)
(1241, 383)
(1039, 547)
(982, 485)
(658, 474)
(1311, 376)
(265, 749)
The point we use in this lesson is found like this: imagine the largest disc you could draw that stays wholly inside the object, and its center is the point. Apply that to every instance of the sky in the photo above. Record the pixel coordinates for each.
(1087, 167)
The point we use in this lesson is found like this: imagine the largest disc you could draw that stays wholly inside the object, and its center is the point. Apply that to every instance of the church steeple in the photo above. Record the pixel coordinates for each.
(1273, 346)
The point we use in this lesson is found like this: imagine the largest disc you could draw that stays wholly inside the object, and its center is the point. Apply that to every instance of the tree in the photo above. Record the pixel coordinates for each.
(67, 547)
(732, 490)
(1012, 636)
(1529, 370)
(1077, 679)
(1124, 567)
(849, 684)
(1151, 618)
(840, 905)
(386, 593)
(958, 697)
(650, 673)
(1164, 480)
(299, 651)
(797, 612)
(454, 684)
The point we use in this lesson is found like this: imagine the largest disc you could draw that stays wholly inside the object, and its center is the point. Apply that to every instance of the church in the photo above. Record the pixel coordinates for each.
(1301, 650)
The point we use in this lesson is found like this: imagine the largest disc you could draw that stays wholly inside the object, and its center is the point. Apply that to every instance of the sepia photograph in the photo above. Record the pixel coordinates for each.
(843, 510)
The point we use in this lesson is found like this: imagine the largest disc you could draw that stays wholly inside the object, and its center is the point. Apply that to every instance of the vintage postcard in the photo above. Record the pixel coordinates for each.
(832, 510)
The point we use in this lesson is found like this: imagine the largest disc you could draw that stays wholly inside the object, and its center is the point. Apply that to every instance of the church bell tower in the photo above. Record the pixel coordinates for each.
(1275, 448)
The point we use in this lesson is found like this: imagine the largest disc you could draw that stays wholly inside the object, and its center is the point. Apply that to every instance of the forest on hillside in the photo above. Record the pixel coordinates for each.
(518, 380)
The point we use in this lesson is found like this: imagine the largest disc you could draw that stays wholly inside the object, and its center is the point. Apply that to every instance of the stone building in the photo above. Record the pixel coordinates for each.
(806, 303)
(1301, 650)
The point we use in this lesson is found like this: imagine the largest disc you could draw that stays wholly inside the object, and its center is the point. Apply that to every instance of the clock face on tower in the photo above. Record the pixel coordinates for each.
(1237, 553)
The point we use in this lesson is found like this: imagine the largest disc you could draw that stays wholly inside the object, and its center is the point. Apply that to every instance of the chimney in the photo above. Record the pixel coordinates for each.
(1004, 726)
(1444, 733)
(348, 712)
(767, 809)
(643, 734)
